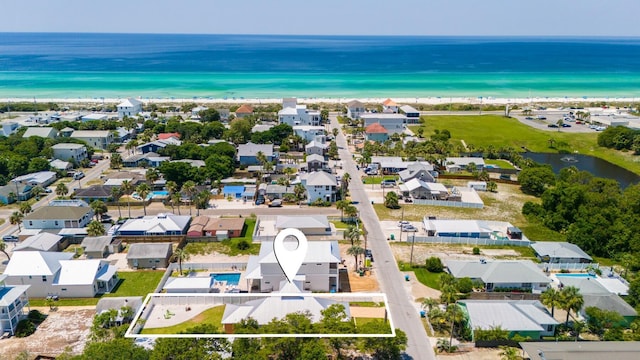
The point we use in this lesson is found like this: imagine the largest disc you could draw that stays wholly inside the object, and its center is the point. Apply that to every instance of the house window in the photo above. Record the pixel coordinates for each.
(549, 328)
(44, 278)
(30, 223)
(56, 222)
(64, 289)
(526, 285)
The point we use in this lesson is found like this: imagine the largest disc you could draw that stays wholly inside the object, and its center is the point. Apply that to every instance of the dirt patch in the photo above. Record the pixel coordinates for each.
(67, 327)
(421, 252)
(472, 354)
(367, 312)
(366, 283)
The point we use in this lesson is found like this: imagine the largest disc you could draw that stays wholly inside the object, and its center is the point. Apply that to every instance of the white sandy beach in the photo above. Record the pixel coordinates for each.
(416, 100)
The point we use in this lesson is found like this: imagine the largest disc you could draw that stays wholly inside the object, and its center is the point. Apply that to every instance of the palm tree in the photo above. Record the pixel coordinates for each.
(550, 298)
(509, 353)
(143, 190)
(181, 255)
(152, 175)
(37, 191)
(356, 250)
(175, 200)
(189, 188)
(25, 208)
(62, 190)
(126, 188)
(449, 295)
(341, 205)
(99, 208)
(429, 303)
(202, 201)
(299, 191)
(344, 182)
(172, 187)
(571, 299)
(16, 219)
(351, 211)
(95, 228)
(115, 195)
(3, 249)
(352, 234)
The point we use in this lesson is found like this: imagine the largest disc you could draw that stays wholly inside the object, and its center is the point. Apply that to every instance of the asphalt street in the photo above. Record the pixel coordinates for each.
(403, 313)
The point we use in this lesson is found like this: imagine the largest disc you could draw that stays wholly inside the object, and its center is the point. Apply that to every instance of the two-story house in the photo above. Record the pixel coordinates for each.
(315, 148)
(129, 107)
(317, 163)
(60, 215)
(318, 272)
(320, 185)
(69, 151)
(56, 273)
(99, 139)
(389, 106)
(45, 132)
(309, 132)
(413, 115)
(354, 109)
(13, 300)
(455, 164)
(248, 153)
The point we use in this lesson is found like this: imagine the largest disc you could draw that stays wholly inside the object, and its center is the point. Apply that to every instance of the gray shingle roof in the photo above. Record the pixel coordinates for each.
(559, 250)
(96, 243)
(251, 149)
(58, 213)
(149, 250)
(497, 272)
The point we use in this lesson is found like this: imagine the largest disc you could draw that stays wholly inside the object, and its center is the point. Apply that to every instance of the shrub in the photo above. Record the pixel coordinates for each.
(25, 328)
(476, 251)
(36, 316)
(465, 285)
(243, 244)
(434, 265)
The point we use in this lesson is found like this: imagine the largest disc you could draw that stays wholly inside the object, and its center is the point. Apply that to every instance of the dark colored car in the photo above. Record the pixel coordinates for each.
(552, 125)
(566, 125)
(260, 201)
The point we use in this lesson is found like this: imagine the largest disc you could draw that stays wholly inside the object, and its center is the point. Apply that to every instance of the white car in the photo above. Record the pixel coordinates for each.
(403, 223)
(409, 228)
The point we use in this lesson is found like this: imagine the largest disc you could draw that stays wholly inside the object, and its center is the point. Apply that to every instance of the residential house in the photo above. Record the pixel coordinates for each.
(219, 227)
(457, 228)
(456, 164)
(560, 252)
(60, 165)
(264, 310)
(8, 128)
(106, 304)
(156, 225)
(262, 127)
(274, 191)
(94, 117)
(192, 162)
(149, 159)
(196, 228)
(309, 132)
(248, 153)
(419, 170)
(581, 350)
(45, 132)
(20, 188)
(66, 132)
(413, 115)
(149, 255)
(155, 146)
(390, 164)
(191, 285)
(355, 108)
(195, 112)
(99, 139)
(320, 185)
(130, 107)
(233, 191)
(318, 272)
(42, 242)
(94, 192)
(69, 152)
(521, 275)
(41, 178)
(99, 247)
(58, 217)
(317, 163)
(393, 123)
(376, 132)
(419, 189)
(389, 107)
(56, 273)
(310, 225)
(315, 148)
(244, 111)
(165, 136)
(295, 114)
(527, 318)
(122, 134)
(13, 300)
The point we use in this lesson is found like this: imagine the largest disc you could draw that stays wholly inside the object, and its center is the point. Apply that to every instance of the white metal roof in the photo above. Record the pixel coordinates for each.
(498, 272)
(13, 292)
(559, 250)
(318, 252)
(82, 272)
(188, 283)
(302, 221)
(40, 242)
(35, 263)
(321, 178)
(509, 315)
(157, 223)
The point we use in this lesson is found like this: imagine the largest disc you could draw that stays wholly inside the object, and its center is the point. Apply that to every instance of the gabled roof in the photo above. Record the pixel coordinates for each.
(510, 315)
(83, 272)
(94, 191)
(355, 103)
(559, 250)
(59, 164)
(408, 109)
(321, 178)
(67, 146)
(413, 169)
(314, 143)
(40, 131)
(91, 134)
(156, 224)
(609, 302)
(498, 272)
(464, 161)
(149, 250)
(58, 213)
(164, 136)
(316, 157)
(318, 252)
(251, 149)
(108, 303)
(244, 109)
(130, 102)
(222, 224)
(389, 102)
(35, 263)
(40, 242)
(38, 177)
(302, 221)
(375, 128)
(96, 243)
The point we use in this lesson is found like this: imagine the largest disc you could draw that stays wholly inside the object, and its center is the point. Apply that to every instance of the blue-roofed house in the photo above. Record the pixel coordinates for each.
(247, 153)
(234, 191)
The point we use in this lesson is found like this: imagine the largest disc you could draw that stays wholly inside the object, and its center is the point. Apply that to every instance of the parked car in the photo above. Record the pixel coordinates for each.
(408, 199)
(369, 254)
(409, 228)
(529, 118)
(79, 175)
(48, 190)
(403, 223)
(10, 238)
(542, 117)
(260, 201)
(388, 183)
(566, 125)
(276, 203)
(552, 125)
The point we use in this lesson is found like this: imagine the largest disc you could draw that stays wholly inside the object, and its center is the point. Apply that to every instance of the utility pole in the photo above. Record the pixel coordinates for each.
(413, 241)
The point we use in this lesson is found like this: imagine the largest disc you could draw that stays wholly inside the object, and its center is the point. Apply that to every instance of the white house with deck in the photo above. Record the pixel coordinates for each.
(129, 107)
(13, 300)
(295, 114)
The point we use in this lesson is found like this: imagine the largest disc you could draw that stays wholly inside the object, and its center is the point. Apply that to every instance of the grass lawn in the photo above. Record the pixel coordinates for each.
(485, 130)
(228, 246)
(425, 277)
(211, 316)
(65, 302)
(340, 224)
(366, 303)
(503, 164)
(362, 321)
(377, 179)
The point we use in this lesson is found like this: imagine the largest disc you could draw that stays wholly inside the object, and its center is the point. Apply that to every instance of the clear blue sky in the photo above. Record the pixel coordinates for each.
(331, 17)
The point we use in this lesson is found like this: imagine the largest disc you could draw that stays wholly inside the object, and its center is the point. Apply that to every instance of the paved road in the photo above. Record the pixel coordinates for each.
(403, 313)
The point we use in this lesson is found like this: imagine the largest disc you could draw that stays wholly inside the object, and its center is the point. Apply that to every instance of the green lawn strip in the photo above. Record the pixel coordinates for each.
(366, 304)
(377, 179)
(211, 316)
(136, 283)
(359, 321)
(485, 130)
(340, 224)
(503, 164)
(65, 302)
(249, 226)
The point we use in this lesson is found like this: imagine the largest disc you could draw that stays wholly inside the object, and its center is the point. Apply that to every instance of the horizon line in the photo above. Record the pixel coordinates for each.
(560, 36)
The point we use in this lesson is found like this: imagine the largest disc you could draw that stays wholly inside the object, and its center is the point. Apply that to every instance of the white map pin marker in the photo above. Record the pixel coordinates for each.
(290, 259)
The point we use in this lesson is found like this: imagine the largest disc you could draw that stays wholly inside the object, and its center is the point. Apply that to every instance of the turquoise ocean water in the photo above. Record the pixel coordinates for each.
(236, 66)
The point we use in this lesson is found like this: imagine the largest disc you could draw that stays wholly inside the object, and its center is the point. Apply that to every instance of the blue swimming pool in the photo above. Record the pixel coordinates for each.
(580, 275)
(160, 193)
(230, 278)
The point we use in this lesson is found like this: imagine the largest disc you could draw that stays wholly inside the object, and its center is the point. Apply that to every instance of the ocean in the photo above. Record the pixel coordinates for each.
(86, 65)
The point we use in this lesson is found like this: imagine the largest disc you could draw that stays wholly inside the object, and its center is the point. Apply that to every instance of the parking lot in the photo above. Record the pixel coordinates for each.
(390, 228)
(551, 117)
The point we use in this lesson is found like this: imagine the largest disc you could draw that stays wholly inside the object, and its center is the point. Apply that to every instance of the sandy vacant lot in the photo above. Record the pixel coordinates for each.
(68, 327)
